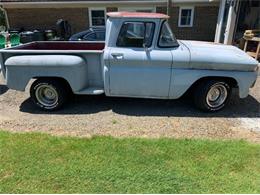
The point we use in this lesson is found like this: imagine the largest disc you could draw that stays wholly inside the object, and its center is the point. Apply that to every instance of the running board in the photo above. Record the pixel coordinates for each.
(91, 91)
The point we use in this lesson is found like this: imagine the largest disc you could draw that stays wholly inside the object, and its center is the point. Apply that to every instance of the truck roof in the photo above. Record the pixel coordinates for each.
(136, 15)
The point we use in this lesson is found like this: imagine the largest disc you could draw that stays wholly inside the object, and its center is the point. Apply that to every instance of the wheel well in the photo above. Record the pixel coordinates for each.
(231, 81)
(60, 79)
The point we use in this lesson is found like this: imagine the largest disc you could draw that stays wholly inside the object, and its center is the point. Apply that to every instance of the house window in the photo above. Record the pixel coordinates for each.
(186, 15)
(97, 17)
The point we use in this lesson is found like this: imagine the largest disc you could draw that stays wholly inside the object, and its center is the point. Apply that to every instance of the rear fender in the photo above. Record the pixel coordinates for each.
(20, 69)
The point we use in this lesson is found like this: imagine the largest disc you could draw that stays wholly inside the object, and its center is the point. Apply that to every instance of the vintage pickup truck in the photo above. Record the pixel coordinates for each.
(140, 58)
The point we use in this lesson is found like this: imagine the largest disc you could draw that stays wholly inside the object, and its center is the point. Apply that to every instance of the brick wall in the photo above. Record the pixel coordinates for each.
(39, 18)
(112, 9)
(162, 10)
(204, 23)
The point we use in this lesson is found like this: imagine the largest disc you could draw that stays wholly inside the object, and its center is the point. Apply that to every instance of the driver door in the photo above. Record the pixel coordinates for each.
(137, 69)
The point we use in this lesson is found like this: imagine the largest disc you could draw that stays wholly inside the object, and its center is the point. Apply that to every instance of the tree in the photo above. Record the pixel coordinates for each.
(3, 19)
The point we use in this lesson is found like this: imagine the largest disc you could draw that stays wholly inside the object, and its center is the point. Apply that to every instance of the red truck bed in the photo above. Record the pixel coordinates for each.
(57, 45)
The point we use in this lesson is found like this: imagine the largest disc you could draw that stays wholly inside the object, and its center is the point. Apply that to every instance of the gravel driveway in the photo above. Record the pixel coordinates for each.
(99, 115)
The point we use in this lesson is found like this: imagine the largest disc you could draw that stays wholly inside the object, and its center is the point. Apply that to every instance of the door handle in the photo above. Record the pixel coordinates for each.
(118, 56)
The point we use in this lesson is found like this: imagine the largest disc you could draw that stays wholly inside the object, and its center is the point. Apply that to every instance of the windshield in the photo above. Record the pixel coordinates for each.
(167, 38)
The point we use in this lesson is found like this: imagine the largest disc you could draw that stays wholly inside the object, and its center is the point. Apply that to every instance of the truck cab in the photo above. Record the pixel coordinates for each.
(139, 50)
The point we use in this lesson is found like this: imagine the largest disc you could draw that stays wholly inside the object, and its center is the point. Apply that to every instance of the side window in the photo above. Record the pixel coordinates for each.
(100, 36)
(136, 34)
(166, 38)
(90, 37)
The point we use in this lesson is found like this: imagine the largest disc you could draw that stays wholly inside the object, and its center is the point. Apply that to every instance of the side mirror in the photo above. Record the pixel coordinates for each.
(145, 45)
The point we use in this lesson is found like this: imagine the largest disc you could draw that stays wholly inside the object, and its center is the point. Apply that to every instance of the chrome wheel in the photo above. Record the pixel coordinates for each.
(217, 95)
(46, 95)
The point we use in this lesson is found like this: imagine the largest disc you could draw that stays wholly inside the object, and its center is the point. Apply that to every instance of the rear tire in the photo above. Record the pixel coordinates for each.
(49, 94)
(212, 95)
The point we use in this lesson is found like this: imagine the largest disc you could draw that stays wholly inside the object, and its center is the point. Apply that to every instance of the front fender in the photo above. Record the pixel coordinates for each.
(183, 79)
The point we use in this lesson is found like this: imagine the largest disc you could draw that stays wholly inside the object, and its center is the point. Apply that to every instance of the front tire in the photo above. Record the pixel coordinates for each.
(211, 96)
(49, 94)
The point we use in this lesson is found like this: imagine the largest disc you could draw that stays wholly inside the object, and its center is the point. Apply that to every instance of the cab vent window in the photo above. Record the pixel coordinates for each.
(166, 38)
(136, 34)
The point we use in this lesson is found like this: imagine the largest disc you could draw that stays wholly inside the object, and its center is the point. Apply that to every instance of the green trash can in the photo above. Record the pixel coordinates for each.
(14, 40)
(2, 41)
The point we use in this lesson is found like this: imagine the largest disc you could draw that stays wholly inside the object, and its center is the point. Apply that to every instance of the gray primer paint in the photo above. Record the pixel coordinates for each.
(149, 73)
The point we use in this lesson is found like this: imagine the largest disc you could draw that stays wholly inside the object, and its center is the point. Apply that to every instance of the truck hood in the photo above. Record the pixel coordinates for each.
(208, 55)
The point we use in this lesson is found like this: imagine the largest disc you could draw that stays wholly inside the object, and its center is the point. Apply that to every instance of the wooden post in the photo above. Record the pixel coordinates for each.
(245, 46)
(257, 51)
(169, 8)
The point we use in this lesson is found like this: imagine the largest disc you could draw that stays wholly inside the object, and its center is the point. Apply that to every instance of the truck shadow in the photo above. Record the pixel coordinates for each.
(183, 107)
(3, 89)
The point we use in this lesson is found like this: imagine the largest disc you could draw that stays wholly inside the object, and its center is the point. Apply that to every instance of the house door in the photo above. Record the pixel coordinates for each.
(226, 21)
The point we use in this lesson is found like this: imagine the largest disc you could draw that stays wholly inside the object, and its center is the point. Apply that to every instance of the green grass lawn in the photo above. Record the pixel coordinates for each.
(39, 163)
